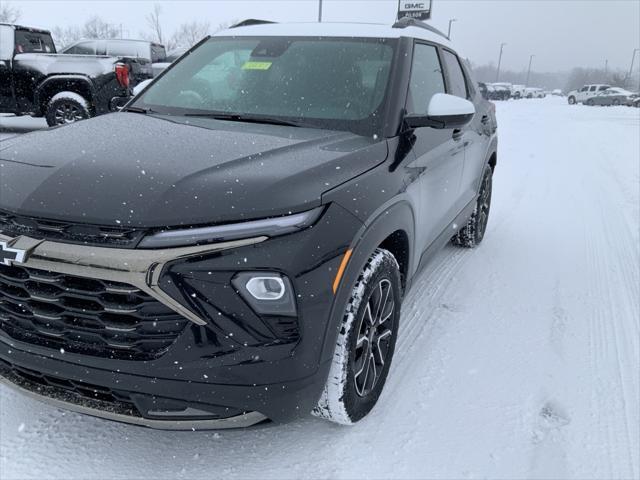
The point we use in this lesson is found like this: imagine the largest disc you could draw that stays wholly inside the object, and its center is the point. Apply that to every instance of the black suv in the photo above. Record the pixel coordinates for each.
(237, 247)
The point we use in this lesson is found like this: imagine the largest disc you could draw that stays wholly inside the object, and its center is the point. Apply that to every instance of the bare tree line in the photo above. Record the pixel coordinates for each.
(9, 13)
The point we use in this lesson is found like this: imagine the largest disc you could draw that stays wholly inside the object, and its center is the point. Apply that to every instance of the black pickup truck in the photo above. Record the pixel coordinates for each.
(36, 81)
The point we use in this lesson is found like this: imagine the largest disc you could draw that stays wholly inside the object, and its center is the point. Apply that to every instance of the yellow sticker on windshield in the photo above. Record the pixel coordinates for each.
(257, 66)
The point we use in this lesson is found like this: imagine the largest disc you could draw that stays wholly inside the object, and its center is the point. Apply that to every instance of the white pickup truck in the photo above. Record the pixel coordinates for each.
(585, 93)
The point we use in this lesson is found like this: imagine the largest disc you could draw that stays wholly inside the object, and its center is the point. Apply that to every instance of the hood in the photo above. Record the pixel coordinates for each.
(143, 171)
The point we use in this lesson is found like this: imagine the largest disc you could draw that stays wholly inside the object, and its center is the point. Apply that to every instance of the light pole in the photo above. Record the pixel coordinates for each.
(450, 22)
(633, 58)
(529, 71)
(499, 61)
(320, 11)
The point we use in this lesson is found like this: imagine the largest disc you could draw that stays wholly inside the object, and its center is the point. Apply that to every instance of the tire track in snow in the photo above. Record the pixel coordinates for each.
(613, 264)
(422, 306)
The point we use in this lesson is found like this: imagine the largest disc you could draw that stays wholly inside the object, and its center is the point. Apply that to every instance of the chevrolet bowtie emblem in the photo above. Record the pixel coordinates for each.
(9, 256)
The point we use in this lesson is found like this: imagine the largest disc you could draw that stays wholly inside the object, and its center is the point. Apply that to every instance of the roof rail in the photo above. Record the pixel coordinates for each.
(412, 22)
(251, 21)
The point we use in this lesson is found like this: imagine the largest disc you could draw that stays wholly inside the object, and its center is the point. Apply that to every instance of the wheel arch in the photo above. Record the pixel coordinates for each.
(391, 227)
(61, 83)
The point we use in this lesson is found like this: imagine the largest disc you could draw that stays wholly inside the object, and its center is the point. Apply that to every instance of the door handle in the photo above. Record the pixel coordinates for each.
(457, 134)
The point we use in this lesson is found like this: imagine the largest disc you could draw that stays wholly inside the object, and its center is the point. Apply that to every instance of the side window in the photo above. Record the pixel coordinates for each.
(426, 79)
(6, 42)
(592, 89)
(602, 87)
(83, 48)
(458, 84)
(584, 89)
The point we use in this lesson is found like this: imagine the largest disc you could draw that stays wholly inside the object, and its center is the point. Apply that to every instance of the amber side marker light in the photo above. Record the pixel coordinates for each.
(343, 265)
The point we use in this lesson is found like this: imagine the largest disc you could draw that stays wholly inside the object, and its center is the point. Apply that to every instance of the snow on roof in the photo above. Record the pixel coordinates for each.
(363, 30)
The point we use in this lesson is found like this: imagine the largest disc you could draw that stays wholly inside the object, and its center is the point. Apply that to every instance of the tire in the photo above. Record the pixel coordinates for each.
(65, 108)
(590, 103)
(359, 369)
(472, 234)
(616, 103)
(572, 100)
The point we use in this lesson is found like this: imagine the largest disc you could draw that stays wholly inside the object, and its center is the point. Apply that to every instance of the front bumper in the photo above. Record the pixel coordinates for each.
(229, 366)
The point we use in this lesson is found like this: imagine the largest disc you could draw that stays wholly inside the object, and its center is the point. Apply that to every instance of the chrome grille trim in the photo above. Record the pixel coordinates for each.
(138, 268)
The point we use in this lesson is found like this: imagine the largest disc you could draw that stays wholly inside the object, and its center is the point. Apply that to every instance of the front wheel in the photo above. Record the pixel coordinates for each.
(473, 232)
(572, 100)
(65, 108)
(365, 343)
(590, 103)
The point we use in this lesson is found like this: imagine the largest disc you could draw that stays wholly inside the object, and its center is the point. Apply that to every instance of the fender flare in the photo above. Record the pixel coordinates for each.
(397, 215)
(56, 78)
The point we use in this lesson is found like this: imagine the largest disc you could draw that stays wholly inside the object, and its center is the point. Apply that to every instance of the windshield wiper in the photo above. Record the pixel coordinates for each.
(138, 110)
(234, 117)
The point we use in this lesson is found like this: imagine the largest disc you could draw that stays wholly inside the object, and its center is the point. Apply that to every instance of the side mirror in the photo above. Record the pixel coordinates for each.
(444, 111)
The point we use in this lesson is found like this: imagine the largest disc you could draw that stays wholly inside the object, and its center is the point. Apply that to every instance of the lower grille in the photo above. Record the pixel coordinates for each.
(86, 316)
(70, 391)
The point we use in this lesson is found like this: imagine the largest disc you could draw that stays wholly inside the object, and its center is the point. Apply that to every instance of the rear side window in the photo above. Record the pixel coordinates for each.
(33, 42)
(82, 48)
(457, 82)
(426, 79)
(129, 49)
(592, 89)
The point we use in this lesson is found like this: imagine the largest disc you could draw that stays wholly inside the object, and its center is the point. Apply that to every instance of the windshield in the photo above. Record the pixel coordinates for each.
(326, 83)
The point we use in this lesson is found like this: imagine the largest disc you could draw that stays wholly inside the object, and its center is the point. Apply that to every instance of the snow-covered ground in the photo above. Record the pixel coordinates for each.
(519, 359)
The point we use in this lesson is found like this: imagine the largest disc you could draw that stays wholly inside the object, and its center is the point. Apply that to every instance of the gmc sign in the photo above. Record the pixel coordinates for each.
(414, 9)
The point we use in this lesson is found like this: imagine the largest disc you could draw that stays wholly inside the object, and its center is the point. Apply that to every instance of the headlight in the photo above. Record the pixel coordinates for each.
(270, 227)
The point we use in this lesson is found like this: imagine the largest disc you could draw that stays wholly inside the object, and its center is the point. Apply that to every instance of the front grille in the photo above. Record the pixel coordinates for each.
(15, 225)
(86, 316)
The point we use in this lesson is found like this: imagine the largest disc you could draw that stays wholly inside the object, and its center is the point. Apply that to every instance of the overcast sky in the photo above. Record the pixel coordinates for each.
(560, 33)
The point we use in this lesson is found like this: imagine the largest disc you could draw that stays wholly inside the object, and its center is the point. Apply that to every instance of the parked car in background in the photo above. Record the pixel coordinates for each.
(517, 91)
(36, 81)
(585, 93)
(613, 96)
(492, 91)
(557, 93)
(533, 92)
(145, 52)
(237, 245)
(634, 100)
(502, 91)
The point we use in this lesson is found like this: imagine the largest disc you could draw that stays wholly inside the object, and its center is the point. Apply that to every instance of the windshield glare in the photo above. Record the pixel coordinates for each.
(328, 83)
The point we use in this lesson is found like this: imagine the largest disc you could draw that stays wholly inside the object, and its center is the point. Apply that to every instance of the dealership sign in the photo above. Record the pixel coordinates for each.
(414, 9)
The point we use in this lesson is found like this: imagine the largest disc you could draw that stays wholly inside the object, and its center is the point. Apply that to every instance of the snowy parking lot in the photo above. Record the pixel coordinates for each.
(518, 359)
